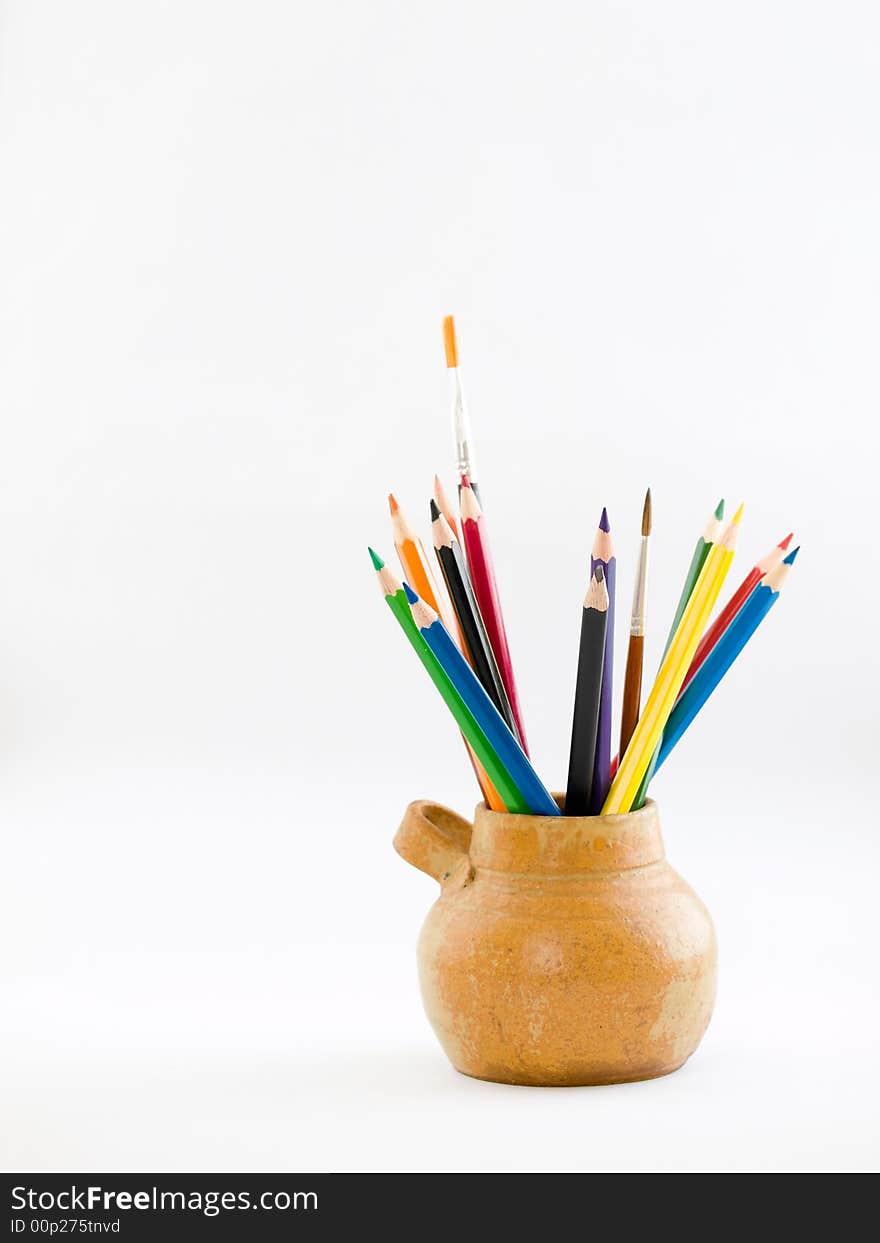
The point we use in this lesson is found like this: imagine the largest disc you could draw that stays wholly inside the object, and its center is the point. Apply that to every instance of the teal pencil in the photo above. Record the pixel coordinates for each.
(723, 654)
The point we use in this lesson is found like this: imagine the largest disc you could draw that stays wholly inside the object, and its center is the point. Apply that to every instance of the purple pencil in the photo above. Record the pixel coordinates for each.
(603, 554)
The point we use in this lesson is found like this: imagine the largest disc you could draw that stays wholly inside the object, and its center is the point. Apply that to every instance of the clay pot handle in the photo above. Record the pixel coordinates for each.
(433, 839)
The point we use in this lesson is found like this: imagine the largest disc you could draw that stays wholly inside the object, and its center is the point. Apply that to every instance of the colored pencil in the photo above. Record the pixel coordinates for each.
(415, 564)
(710, 535)
(465, 458)
(396, 598)
(703, 547)
(724, 653)
(588, 695)
(635, 654)
(484, 712)
(646, 737)
(734, 604)
(603, 555)
(476, 647)
(482, 571)
(442, 502)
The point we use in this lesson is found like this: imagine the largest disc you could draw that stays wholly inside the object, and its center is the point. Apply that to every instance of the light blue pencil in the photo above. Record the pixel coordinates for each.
(484, 712)
(723, 654)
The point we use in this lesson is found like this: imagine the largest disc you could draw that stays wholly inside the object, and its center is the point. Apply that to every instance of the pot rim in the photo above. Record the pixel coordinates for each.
(506, 842)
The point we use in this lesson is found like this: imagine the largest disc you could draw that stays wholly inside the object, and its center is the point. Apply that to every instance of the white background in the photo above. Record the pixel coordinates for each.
(228, 235)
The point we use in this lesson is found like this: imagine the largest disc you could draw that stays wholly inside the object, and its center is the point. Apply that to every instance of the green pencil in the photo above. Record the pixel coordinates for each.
(711, 533)
(698, 560)
(395, 598)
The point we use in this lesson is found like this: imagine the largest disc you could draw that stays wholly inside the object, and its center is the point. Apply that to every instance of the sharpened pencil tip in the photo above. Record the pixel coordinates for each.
(784, 543)
(646, 514)
(435, 510)
(599, 574)
(392, 503)
(789, 560)
(465, 480)
(377, 561)
(737, 517)
(449, 342)
(410, 594)
(719, 509)
(604, 524)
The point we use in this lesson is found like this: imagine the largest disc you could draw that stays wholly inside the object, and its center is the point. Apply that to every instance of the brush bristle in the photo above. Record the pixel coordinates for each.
(449, 342)
(646, 514)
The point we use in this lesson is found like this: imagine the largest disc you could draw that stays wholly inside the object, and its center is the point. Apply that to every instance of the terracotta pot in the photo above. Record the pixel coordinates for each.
(561, 951)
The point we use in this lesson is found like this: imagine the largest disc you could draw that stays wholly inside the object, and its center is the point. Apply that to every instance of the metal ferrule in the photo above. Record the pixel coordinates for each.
(465, 460)
(637, 624)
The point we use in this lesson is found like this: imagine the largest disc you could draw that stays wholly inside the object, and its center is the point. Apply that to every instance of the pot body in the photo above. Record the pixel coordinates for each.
(561, 951)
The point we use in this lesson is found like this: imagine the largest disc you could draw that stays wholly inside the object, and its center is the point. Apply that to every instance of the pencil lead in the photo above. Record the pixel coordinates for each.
(410, 594)
(377, 561)
(392, 503)
(435, 510)
(784, 543)
(449, 342)
(604, 524)
(599, 574)
(789, 560)
(719, 511)
(737, 517)
(646, 514)
(465, 479)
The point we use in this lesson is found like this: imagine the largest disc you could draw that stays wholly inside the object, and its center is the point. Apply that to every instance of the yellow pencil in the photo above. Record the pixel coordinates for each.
(673, 670)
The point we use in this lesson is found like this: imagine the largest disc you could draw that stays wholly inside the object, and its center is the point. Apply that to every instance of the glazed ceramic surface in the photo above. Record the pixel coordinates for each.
(561, 951)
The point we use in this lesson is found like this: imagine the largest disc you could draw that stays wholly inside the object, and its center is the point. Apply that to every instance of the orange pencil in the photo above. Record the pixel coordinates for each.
(417, 567)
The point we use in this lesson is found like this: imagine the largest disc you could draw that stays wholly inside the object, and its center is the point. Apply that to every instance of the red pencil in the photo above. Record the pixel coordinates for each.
(733, 606)
(479, 558)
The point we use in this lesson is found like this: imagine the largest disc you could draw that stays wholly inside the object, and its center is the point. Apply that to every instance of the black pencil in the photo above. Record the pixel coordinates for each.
(588, 691)
(478, 649)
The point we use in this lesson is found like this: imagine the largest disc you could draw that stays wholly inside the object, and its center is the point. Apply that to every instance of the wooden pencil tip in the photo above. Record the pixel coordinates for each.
(449, 342)
(789, 560)
(646, 514)
(597, 592)
(719, 509)
(784, 543)
(377, 561)
(392, 503)
(604, 524)
(435, 510)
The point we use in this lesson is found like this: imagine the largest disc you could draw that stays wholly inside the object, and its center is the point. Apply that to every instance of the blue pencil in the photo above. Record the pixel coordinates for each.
(484, 712)
(723, 654)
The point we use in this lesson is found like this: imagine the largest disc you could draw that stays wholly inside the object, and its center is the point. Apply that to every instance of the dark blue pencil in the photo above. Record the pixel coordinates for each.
(484, 712)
